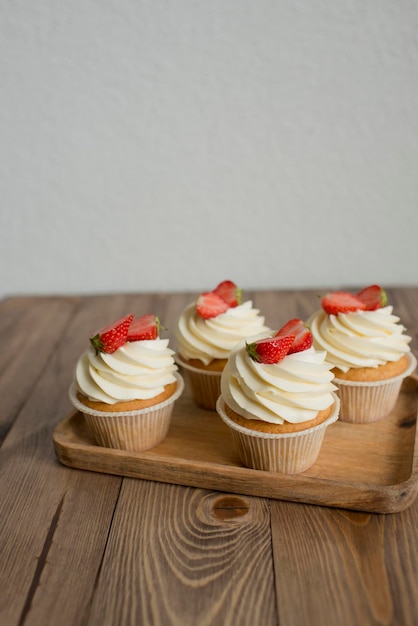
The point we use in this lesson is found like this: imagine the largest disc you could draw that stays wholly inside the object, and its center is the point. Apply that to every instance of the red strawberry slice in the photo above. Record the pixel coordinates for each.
(303, 336)
(271, 350)
(341, 302)
(112, 337)
(229, 292)
(144, 327)
(209, 305)
(374, 297)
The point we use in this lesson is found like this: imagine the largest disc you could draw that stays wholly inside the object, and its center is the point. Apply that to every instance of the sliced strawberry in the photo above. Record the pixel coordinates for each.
(303, 336)
(341, 302)
(209, 305)
(374, 297)
(271, 350)
(292, 327)
(112, 337)
(144, 327)
(229, 292)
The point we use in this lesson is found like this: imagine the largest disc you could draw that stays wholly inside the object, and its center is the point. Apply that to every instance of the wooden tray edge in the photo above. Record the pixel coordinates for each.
(390, 499)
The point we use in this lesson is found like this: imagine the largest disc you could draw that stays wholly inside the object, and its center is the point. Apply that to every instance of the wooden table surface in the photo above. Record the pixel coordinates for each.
(88, 548)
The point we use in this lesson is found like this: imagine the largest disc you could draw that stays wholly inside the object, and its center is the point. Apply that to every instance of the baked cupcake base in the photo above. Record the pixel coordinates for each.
(135, 430)
(374, 374)
(287, 450)
(370, 395)
(205, 381)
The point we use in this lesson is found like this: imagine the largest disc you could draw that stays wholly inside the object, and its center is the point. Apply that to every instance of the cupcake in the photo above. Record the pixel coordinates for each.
(206, 332)
(368, 349)
(277, 398)
(125, 384)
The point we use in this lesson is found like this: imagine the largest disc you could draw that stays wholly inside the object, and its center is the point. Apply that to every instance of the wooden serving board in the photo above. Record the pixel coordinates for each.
(371, 467)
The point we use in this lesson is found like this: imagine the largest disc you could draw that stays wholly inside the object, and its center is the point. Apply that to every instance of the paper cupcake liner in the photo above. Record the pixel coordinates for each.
(134, 431)
(287, 453)
(366, 402)
(204, 384)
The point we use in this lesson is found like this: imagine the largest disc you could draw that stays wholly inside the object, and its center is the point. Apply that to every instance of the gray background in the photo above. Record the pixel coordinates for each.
(167, 145)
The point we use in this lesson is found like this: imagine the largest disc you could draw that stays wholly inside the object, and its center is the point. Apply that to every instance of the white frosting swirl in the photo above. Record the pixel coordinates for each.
(139, 370)
(359, 339)
(293, 390)
(214, 338)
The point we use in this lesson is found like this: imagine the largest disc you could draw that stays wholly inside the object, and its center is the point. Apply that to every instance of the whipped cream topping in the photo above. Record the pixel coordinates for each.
(214, 338)
(139, 370)
(293, 390)
(359, 339)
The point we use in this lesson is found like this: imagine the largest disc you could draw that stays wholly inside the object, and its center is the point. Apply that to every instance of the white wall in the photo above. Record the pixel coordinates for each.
(166, 145)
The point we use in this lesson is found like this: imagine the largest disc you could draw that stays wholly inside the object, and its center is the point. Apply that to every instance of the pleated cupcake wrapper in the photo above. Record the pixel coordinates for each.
(365, 402)
(287, 453)
(205, 385)
(134, 431)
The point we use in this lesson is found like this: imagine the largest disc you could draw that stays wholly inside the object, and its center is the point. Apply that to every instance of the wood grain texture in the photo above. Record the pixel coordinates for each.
(21, 348)
(184, 561)
(340, 566)
(35, 492)
(83, 548)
